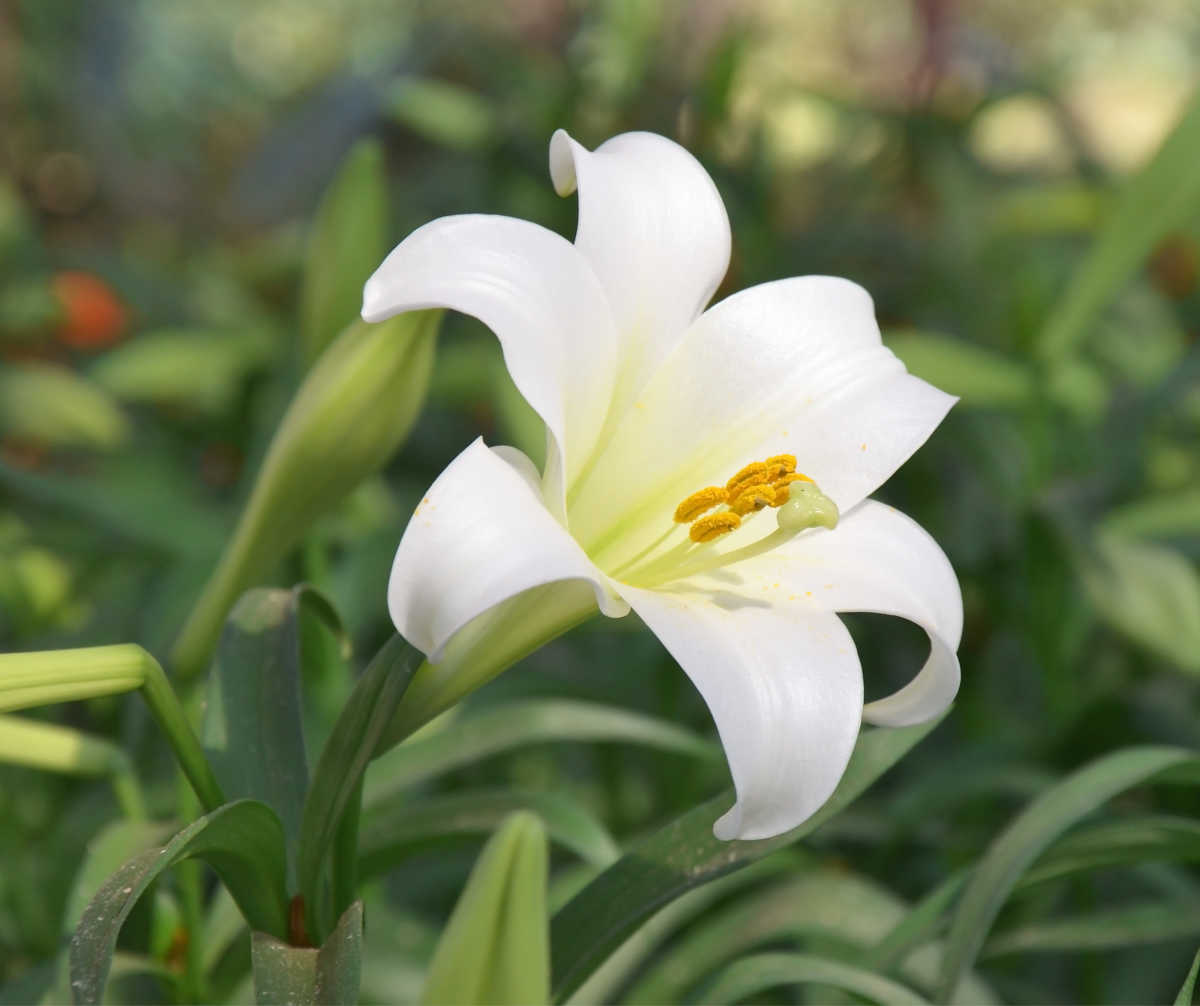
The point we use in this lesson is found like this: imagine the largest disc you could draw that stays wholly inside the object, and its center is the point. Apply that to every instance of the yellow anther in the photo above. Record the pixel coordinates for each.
(755, 472)
(788, 479)
(787, 460)
(753, 497)
(699, 502)
(714, 525)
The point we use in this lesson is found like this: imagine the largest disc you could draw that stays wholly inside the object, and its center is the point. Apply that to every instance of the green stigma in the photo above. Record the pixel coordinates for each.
(807, 507)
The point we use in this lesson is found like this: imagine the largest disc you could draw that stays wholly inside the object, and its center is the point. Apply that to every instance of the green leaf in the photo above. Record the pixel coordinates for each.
(1035, 828)
(198, 370)
(824, 907)
(393, 829)
(979, 376)
(352, 412)
(1146, 838)
(1188, 988)
(476, 736)
(1105, 929)
(442, 112)
(1163, 515)
(49, 404)
(306, 976)
(1149, 593)
(336, 781)
(242, 841)
(1133, 841)
(1162, 196)
(495, 947)
(684, 854)
(347, 243)
(754, 975)
(253, 728)
(604, 983)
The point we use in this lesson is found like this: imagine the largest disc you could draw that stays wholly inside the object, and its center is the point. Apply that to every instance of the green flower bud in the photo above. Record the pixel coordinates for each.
(496, 946)
(352, 412)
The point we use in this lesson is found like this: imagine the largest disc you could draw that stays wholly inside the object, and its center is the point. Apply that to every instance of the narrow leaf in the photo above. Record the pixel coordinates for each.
(393, 829)
(306, 976)
(1187, 990)
(1111, 929)
(754, 975)
(1032, 831)
(351, 744)
(1162, 195)
(684, 854)
(475, 737)
(242, 841)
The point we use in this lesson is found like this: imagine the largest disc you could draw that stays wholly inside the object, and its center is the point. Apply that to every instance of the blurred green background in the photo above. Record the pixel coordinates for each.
(981, 168)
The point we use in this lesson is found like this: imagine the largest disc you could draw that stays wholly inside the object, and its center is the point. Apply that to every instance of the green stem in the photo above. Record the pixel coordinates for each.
(189, 880)
(165, 706)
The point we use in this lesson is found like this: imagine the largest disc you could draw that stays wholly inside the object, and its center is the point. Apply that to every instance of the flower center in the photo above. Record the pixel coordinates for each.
(715, 511)
(759, 484)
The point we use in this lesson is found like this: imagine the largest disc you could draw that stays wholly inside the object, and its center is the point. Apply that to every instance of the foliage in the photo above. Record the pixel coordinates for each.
(191, 198)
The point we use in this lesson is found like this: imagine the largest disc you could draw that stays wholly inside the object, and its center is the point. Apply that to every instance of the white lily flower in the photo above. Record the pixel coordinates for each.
(697, 462)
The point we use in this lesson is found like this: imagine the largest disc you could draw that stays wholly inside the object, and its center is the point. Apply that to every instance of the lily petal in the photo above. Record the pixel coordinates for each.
(784, 686)
(795, 366)
(539, 295)
(877, 560)
(481, 535)
(653, 226)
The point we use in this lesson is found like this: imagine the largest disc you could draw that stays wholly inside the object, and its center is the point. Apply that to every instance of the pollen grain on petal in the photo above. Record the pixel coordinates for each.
(714, 525)
(699, 502)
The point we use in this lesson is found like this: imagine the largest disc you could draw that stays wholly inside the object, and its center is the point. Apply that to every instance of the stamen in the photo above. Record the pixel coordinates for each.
(714, 525)
(787, 460)
(699, 502)
(753, 497)
(756, 471)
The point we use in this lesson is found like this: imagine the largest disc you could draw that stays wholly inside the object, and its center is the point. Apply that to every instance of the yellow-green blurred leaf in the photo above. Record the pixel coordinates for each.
(201, 371)
(443, 113)
(1150, 594)
(55, 406)
(978, 376)
(1160, 197)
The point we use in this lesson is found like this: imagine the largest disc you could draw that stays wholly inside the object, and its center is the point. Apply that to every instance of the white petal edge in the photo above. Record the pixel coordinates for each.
(481, 535)
(784, 687)
(540, 297)
(795, 366)
(876, 560)
(655, 230)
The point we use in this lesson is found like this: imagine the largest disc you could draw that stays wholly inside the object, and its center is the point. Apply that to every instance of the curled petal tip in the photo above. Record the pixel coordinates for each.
(374, 307)
(562, 163)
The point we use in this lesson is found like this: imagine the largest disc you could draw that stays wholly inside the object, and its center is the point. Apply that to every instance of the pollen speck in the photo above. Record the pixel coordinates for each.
(863, 447)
